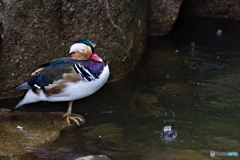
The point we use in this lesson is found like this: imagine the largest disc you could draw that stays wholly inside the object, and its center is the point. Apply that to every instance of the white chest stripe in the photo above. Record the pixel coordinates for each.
(83, 72)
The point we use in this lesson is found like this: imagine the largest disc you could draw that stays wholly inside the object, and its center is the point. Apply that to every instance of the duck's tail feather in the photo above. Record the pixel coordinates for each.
(21, 86)
(15, 108)
(19, 103)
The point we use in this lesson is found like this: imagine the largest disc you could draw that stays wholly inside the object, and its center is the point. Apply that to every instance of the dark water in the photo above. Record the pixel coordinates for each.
(180, 102)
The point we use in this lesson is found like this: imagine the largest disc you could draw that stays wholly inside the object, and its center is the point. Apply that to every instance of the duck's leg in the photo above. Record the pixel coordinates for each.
(69, 117)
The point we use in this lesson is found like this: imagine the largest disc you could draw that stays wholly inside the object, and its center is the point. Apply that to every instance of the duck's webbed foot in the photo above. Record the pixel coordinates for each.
(79, 120)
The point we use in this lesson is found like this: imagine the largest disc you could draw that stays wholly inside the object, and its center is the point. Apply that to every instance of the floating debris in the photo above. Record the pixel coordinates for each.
(19, 128)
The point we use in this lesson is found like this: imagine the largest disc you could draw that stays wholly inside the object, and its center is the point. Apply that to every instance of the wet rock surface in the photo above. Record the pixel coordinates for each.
(32, 135)
(20, 131)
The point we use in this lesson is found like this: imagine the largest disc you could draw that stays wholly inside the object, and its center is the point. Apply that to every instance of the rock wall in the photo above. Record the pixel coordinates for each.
(211, 8)
(37, 31)
(162, 14)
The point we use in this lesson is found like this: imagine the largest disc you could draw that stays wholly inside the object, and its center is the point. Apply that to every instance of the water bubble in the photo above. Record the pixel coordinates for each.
(167, 76)
(219, 32)
(167, 129)
(193, 46)
(168, 134)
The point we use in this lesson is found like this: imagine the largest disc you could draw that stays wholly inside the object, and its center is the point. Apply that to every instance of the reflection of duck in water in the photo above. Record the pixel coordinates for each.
(77, 75)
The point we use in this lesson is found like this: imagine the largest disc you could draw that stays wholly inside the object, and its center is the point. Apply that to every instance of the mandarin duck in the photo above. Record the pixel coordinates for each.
(77, 75)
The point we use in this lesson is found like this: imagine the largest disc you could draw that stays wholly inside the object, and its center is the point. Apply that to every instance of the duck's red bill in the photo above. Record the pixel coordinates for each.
(95, 57)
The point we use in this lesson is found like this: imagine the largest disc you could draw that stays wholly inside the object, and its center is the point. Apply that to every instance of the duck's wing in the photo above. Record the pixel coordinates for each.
(48, 73)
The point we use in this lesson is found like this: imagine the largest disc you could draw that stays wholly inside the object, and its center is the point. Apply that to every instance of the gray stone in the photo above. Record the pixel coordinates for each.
(162, 14)
(38, 31)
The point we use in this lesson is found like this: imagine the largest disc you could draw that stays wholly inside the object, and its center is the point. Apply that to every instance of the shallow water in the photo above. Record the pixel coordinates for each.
(180, 102)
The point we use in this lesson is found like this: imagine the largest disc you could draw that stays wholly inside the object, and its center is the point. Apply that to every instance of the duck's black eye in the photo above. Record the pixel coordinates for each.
(82, 50)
